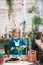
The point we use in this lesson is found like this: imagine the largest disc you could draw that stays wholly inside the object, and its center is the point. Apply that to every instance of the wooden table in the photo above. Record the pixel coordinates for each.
(18, 63)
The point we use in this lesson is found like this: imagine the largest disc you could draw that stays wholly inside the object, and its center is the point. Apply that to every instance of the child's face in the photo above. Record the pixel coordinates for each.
(16, 33)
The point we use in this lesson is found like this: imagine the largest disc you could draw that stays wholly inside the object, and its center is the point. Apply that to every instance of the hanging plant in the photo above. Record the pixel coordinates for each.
(32, 9)
(37, 20)
(9, 3)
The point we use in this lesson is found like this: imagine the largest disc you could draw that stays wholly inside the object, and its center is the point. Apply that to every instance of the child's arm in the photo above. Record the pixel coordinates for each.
(24, 43)
(11, 45)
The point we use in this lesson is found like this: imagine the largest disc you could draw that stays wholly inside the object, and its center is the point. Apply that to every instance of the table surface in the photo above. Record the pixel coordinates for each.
(19, 63)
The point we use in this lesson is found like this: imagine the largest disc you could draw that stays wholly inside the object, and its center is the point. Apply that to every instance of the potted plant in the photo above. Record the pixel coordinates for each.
(20, 50)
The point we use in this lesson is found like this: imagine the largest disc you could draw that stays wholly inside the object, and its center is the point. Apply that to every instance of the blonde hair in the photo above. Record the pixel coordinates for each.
(14, 30)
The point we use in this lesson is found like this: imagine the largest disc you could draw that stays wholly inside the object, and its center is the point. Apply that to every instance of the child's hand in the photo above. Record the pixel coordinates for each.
(20, 48)
(23, 46)
(12, 48)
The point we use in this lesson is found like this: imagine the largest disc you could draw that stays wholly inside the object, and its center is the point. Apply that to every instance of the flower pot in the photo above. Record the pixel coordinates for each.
(1, 59)
(32, 56)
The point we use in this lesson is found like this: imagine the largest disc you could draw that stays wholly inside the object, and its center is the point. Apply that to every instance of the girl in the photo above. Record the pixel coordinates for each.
(16, 42)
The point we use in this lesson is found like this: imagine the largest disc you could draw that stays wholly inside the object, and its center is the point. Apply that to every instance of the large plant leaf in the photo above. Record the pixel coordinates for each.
(37, 20)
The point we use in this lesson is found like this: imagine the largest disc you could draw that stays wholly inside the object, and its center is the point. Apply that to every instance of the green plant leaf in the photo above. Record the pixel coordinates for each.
(33, 8)
(36, 21)
(20, 48)
(30, 11)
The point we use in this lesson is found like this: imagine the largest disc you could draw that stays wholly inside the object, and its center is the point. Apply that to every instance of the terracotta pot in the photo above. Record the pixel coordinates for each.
(32, 56)
(1, 59)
